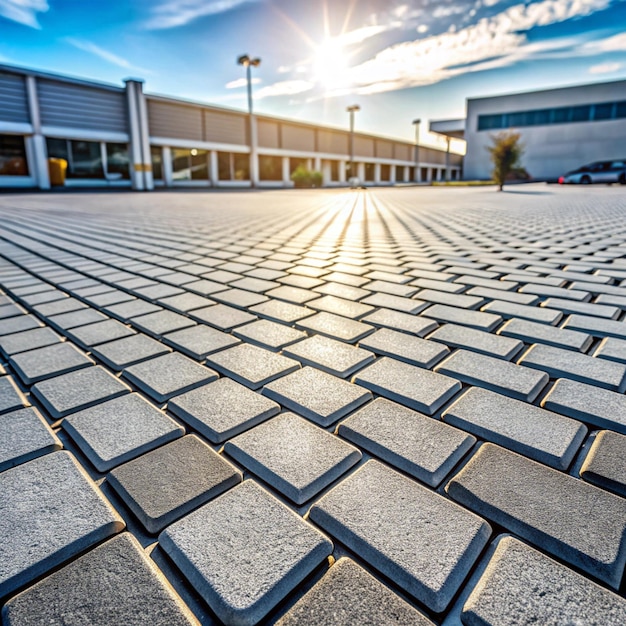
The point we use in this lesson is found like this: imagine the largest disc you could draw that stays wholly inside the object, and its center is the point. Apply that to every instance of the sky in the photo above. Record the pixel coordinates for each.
(397, 59)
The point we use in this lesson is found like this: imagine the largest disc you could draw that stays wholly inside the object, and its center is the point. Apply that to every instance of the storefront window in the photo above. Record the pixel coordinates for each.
(233, 166)
(369, 171)
(334, 170)
(189, 164)
(13, 156)
(270, 167)
(117, 161)
(156, 155)
(385, 172)
(84, 158)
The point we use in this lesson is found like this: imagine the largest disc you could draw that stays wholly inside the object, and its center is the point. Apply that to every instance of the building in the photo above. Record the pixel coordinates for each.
(121, 136)
(561, 129)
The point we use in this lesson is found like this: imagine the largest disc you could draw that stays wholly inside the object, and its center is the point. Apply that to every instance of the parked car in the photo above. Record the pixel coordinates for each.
(598, 172)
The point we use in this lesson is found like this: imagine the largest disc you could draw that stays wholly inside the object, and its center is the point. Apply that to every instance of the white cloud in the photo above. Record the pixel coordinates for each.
(605, 68)
(284, 88)
(241, 82)
(92, 48)
(173, 13)
(616, 43)
(23, 11)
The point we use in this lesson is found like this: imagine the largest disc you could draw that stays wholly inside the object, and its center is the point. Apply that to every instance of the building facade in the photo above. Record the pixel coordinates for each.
(120, 136)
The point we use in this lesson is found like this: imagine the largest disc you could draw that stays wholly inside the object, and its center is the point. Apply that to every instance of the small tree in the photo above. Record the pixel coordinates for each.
(303, 177)
(506, 153)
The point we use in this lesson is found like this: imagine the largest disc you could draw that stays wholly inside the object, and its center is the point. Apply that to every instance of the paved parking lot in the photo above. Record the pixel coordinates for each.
(392, 406)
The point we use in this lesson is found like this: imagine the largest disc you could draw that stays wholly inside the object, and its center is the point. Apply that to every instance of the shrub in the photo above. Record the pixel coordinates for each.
(506, 152)
(303, 177)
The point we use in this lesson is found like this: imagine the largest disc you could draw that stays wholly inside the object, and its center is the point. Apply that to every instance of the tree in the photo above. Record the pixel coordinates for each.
(506, 153)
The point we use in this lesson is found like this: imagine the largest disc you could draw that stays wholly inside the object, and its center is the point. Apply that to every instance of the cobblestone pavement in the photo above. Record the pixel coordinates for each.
(393, 406)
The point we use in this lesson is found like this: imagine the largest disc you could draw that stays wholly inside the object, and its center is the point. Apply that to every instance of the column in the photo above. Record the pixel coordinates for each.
(39, 151)
(166, 165)
(360, 169)
(392, 174)
(286, 172)
(447, 159)
(254, 157)
(342, 171)
(134, 127)
(377, 173)
(213, 168)
(142, 109)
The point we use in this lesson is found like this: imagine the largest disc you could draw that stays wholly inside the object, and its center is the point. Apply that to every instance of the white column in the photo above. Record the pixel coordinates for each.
(377, 173)
(135, 147)
(213, 168)
(317, 164)
(392, 174)
(342, 171)
(254, 157)
(326, 173)
(406, 174)
(360, 168)
(142, 110)
(166, 166)
(39, 165)
(286, 173)
(447, 158)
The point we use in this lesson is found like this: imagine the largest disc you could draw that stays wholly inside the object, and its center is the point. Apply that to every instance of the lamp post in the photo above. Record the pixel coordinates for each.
(417, 123)
(352, 109)
(249, 63)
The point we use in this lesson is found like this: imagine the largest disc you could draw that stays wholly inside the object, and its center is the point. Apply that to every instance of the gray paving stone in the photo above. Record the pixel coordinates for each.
(495, 374)
(115, 583)
(118, 430)
(222, 317)
(134, 308)
(292, 455)
(316, 395)
(222, 409)
(18, 324)
(268, 334)
(78, 390)
(121, 353)
(522, 586)
(335, 327)
(347, 594)
(596, 288)
(604, 465)
(28, 340)
(42, 297)
(115, 296)
(100, 332)
(161, 486)
(477, 341)
(396, 525)
(168, 375)
(439, 285)
(239, 298)
(65, 321)
(536, 433)
(404, 322)
(158, 291)
(328, 355)
(396, 303)
(450, 299)
(340, 306)
(473, 319)
(618, 301)
(611, 349)
(199, 341)
(510, 310)
(598, 327)
(25, 436)
(581, 367)
(280, 311)
(54, 360)
(56, 307)
(162, 322)
(566, 517)
(244, 552)
(296, 295)
(11, 398)
(531, 332)
(204, 287)
(256, 285)
(418, 445)
(50, 511)
(346, 292)
(185, 302)
(404, 347)
(346, 279)
(513, 299)
(582, 308)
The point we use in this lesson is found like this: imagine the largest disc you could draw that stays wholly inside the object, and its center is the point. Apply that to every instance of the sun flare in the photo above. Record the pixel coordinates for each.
(330, 64)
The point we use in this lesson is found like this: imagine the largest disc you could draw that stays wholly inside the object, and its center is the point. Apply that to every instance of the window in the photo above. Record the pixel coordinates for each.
(13, 156)
(233, 166)
(189, 164)
(117, 162)
(369, 171)
(581, 113)
(334, 170)
(156, 156)
(490, 122)
(270, 167)
(620, 109)
(294, 163)
(561, 115)
(603, 111)
(84, 158)
(385, 173)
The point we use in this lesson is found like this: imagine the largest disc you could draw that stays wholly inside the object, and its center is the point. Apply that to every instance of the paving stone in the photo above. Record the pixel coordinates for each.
(495, 374)
(162, 322)
(335, 327)
(65, 321)
(510, 310)
(11, 398)
(222, 317)
(54, 360)
(396, 525)
(98, 333)
(270, 335)
(185, 302)
(256, 285)
(280, 311)
(78, 390)
(618, 301)
(161, 486)
(396, 303)
(612, 349)
(439, 285)
(340, 306)
(251, 366)
(57, 307)
(44, 296)
(239, 298)
(114, 296)
(199, 341)
(328, 355)
(244, 552)
(118, 430)
(346, 279)
(404, 322)
(577, 522)
(477, 341)
(168, 375)
(522, 586)
(159, 291)
(292, 294)
(222, 409)
(346, 292)
(121, 353)
(418, 445)
(134, 308)
(536, 433)
(25, 436)
(115, 583)
(292, 455)
(450, 299)
(556, 292)
(414, 387)
(28, 340)
(582, 308)
(596, 288)
(598, 327)
(581, 367)
(316, 395)
(531, 332)
(50, 511)
(18, 324)
(404, 347)
(604, 465)
(473, 319)
(204, 287)
(347, 594)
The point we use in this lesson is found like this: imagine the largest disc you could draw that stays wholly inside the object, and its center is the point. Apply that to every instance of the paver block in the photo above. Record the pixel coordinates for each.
(98, 333)
(134, 308)
(459, 301)
(56, 307)
(50, 511)
(11, 398)
(575, 521)
(396, 525)
(121, 353)
(168, 375)
(404, 322)
(270, 335)
(340, 306)
(120, 429)
(65, 321)
(244, 552)
(222, 317)
(185, 302)
(292, 294)
(115, 583)
(335, 327)
(280, 311)
(477, 341)
(539, 434)
(582, 308)
(78, 390)
(199, 341)
(418, 445)
(28, 340)
(531, 332)
(163, 485)
(222, 409)
(611, 349)
(604, 465)
(596, 326)
(510, 310)
(473, 319)
(162, 322)
(19, 323)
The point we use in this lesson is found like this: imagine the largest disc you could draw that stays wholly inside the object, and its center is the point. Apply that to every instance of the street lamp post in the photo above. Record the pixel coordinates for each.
(417, 123)
(249, 63)
(352, 109)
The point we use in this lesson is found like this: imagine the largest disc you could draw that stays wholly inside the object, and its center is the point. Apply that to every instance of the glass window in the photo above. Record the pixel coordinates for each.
(349, 173)
(199, 165)
(117, 161)
(233, 166)
(561, 115)
(490, 122)
(13, 156)
(224, 165)
(241, 166)
(385, 172)
(270, 167)
(189, 164)
(539, 118)
(85, 160)
(156, 156)
(57, 148)
(294, 163)
(620, 109)
(581, 113)
(334, 170)
(518, 119)
(369, 171)
(603, 111)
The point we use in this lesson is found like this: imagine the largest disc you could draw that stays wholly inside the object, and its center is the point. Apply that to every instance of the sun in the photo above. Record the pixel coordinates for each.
(330, 64)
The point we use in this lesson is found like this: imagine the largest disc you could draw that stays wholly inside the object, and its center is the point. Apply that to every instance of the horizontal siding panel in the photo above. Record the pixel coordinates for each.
(13, 98)
(174, 120)
(298, 138)
(363, 147)
(332, 142)
(268, 134)
(384, 149)
(402, 152)
(82, 106)
(225, 127)
(428, 155)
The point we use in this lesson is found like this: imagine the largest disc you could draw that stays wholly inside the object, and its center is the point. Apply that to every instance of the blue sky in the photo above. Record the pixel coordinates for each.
(398, 59)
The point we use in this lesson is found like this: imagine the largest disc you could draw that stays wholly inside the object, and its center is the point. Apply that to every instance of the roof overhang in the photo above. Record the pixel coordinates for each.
(450, 128)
